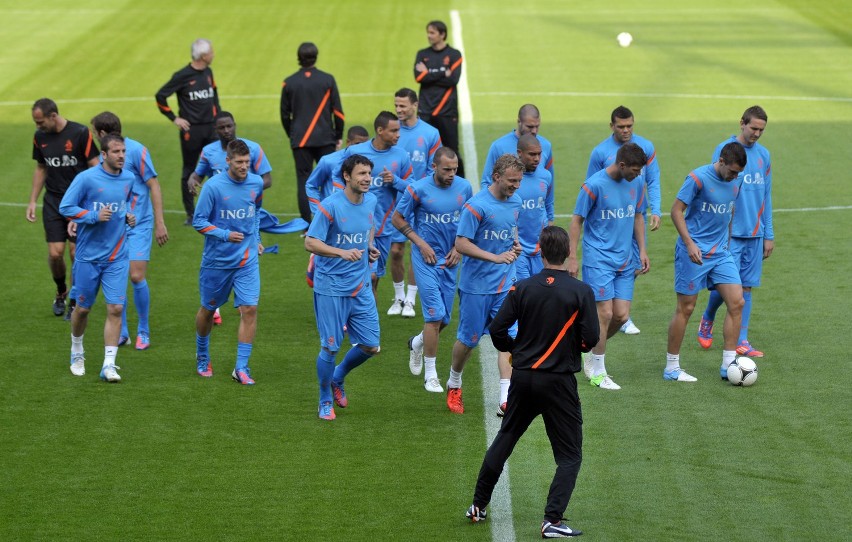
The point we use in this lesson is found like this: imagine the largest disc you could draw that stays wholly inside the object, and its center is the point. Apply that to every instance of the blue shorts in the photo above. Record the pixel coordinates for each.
(608, 284)
(527, 266)
(436, 285)
(89, 277)
(215, 286)
(747, 253)
(358, 313)
(475, 314)
(139, 242)
(379, 267)
(691, 278)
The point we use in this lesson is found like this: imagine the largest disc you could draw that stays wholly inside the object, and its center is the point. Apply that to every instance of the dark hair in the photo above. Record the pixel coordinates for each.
(383, 119)
(224, 114)
(109, 138)
(631, 154)
(443, 151)
(238, 147)
(620, 112)
(754, 112)
(528, 140)
(357, 131)
(46, 105)
(352, 161)
(734, 153)
(439, 26)
(406, 93)
(307, 54)
(528, 111)
(106, 122)
(553, 241)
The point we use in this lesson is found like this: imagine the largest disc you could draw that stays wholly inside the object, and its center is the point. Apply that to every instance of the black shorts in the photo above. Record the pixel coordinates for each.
(55, 225)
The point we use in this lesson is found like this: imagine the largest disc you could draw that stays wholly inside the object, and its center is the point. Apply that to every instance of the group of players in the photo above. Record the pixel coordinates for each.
(371, 197)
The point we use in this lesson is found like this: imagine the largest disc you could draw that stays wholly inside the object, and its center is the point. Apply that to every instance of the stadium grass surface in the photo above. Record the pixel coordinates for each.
(165, 455)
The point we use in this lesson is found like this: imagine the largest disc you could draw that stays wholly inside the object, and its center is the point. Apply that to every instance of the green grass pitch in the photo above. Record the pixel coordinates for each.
(167, 456)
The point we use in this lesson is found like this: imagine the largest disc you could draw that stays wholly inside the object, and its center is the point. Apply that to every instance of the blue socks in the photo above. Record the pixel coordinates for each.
(713, 305)
(142, 300)
(325, 370)
(746, 317)
(353, 358)
(243, 353)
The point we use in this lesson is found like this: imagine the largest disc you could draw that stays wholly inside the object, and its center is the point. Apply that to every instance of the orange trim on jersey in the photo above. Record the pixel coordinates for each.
(712, 250)
(245, 258)
(434, 149)
(89, 143)
(142, 163)
(315, 119)
(535, 251)
(456, 64)
(651, 159)
(443, 102)
(502, 282)
(420, 77)
(472, 210)
(385, 218)
(338, 114)
(80, 214)
(696, 179)
(208, 228)
(409, 172)
(759, 214)
(620, 269)
(559, 337)
(133, 202)
(164, 108)
(356, 290)
(115, 250)
(549, 164)
(259, 159)
(337, 185)
(589, 192)
(326, 213)
(412, 192)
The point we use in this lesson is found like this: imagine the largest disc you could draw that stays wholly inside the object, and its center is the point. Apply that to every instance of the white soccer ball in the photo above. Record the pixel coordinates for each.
(624, 39)
(742, 371)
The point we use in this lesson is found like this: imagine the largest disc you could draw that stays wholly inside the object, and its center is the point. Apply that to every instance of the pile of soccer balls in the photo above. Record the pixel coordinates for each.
(742, 371)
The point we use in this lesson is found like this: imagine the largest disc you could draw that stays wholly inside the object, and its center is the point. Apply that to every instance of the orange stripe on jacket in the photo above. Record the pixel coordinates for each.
(245, 258)
(208, 228)
(338, 114)
(259, 160)
(696, 179)
(326, 213)
(420, 77)
(89, 144)
(712, 250)
(385, 218)
(316, 118)
(356, 290)
(502, 282)
(589, 192)
(412, 192)
(472, 210)
(651, 159)
(443, 102)
(456, 64)
(81, 214)
(757, 224)
(559, 337)
(164, 107)
(115, 250)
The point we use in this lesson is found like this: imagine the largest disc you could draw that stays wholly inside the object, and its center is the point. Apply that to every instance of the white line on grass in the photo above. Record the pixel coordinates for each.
(500, 509)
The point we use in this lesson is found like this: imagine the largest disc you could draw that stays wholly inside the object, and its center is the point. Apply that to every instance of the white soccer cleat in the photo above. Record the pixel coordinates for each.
(433, 385)
(109, 373)
(395, 308)
(588, 366)
(603, 381)
(408, 309)
(415, 358)
(78, 365)
(629, 328)
(679, 375)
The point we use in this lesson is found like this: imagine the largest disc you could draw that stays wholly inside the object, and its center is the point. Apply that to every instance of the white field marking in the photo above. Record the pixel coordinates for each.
(500, 508)
(463, 85)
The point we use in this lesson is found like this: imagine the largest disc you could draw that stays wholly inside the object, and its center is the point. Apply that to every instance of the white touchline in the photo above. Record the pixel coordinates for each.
(500, 508)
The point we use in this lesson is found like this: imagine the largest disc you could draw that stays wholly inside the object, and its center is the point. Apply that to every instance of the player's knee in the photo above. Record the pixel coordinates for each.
(736, 305)
(137, 276)
(369, 350)
(114, 309)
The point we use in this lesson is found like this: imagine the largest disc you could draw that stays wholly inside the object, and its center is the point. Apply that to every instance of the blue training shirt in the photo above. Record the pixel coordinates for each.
(536, 193)
(227, 205)
(137, 160)
(609, 211)
(754, 204)
(420, 142)
(321, 183)
(92, 190)
(213, 159)
(342, 224)
(435, 211)
(710, 202)
(604, 156)
(492, 225)
(508, 144)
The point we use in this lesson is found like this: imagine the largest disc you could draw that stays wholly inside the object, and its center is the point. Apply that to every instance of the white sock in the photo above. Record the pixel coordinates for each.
(598, 366)
(431, 372)
(399, 291)
(728, 356)
(672, 361)
(504, 390)
(455, 380)
(417, 342)
(109, 355)
(76, 344)
(411, 294)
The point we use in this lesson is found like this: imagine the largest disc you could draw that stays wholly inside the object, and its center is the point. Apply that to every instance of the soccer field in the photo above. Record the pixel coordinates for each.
(166, 455)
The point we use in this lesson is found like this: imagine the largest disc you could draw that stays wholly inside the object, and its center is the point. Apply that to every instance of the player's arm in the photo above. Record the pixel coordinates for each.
(261, 166)
(587, 323)
(201, 218)
(320, 248)
(550, 204)
(768, 229)
(506, 316)
(70, 207)
(172, 86)
(466, 247)
(286, 112)
(39, 178)
(312, 187)
(679, 221)
(652, 178)
(639, 235)
(490, 158)
(401, 224)
(575, 231)
(595, 163)
(161, 233)
(338, 120)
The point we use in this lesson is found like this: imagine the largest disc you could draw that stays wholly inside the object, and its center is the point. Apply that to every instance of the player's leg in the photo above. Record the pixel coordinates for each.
(397, 253)
(214, 286)
(190, 149)
(473, 315)
(246, 297)
(410, 292)
(628, 327)
(750, 264)
(331, 315)
(87, 277)
(304, 161)
(732, 293)
(602, 282)
(114, 284)
(363, 329)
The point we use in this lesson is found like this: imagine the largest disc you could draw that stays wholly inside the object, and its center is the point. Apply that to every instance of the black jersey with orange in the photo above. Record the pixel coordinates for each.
(197, 95)
(311, 112)
(64, 154)
(438, 94)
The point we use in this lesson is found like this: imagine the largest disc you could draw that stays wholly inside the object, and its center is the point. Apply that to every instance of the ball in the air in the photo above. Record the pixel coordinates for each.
(624, 39)
(742, 371)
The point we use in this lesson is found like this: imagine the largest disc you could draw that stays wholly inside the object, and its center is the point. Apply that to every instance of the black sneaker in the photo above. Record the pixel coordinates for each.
(188, 221)
(69, 310)
(59, 304)
(475, 513)
(557, 530)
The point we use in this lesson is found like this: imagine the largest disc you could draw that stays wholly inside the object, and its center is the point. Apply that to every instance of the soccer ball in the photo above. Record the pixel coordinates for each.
(742, 371)
(624, 39)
